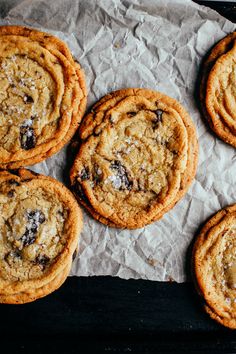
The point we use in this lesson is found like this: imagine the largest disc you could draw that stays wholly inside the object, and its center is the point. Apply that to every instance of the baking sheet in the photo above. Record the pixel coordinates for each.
(153, 44)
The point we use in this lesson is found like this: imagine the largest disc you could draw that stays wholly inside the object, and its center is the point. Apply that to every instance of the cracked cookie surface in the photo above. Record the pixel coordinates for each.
(214, 262)
(135, 153)
(40, 222)
(42, 96)
(30, 295)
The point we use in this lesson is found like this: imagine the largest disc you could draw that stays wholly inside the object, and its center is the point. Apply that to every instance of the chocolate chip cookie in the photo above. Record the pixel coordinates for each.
(214, 263)
(30, 295)
(42, 96)
(137, 158)
(217, 92)
(40, 223)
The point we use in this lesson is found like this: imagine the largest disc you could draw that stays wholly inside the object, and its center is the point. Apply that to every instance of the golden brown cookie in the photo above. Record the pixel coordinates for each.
(43, 96)
(137, 158)
(36, 293)
(214, 265)
(40, 222)
(217, 93)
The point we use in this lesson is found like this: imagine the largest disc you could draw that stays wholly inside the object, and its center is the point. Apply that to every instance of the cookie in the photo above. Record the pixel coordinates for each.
(42, 96)
(40, 223)
(217, 89)
(214, 265)
(36, 293)
(137, 158)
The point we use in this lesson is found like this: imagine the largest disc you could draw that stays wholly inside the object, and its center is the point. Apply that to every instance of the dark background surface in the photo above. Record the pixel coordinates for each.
(104, 314)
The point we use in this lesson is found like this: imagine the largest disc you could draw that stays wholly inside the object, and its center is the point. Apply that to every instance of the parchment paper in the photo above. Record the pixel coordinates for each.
(158, 45)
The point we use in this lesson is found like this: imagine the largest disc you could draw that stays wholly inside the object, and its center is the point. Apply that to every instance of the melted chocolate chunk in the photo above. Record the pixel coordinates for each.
(122, 174)
(85, 174)
(158, 114)
(12, 254)
(15, 172)
(11, 193)
(28, 99)
(79, 191)
(29, 237)
(34, 218)
(158, 118)
(13, 182)
(131, 114)
(42, 260)
(27, 137)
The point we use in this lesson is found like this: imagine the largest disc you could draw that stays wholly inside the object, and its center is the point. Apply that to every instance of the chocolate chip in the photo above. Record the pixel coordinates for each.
(34, 218)
(42, 260)
(13, 182)
(28, 99)
(159, 113)
(27, 137)
(29, 237)
(11, 193)
(6, 256)
(158, 118)
(37, 216)
(15, 172)
(122, 174)
(79, 191)
(16, 254)
(85, 174)
(12, 254)
(131, 114)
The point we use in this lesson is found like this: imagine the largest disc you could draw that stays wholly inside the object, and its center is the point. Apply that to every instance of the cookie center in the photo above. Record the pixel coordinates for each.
(32, 225)
(134, 160)
(27, 97)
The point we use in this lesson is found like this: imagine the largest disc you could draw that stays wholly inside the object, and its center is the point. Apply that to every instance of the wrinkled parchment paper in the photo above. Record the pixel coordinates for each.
(158, 45)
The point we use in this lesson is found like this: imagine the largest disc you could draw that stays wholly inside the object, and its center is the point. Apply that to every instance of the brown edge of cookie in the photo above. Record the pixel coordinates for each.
(196, 264)
(223, 321)
(219, 49)
(35, 294)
